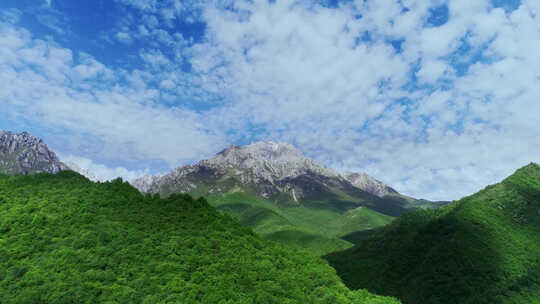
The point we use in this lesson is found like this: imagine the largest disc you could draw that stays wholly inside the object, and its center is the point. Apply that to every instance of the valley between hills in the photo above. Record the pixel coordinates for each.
(257, 224)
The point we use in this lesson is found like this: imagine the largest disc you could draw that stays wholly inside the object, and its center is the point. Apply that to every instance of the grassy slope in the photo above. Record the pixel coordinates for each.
(317, 230)
(64, 239)
(326, 193)
(484, 248)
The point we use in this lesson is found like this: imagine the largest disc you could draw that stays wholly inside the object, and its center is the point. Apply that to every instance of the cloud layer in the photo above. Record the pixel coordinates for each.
(45, 83)
(437, 99)
(448, 112)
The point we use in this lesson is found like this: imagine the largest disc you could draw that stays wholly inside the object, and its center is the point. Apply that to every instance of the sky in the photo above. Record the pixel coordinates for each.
(437, 98)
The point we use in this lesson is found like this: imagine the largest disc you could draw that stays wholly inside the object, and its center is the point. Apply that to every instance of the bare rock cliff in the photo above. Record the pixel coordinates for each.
(22, 153)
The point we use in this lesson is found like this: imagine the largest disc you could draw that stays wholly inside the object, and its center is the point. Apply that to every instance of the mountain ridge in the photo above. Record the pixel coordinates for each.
(283, 194)
(266, 163)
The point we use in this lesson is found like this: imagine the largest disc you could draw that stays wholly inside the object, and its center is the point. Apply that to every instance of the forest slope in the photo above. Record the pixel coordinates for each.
(64, 239)
(484, 248)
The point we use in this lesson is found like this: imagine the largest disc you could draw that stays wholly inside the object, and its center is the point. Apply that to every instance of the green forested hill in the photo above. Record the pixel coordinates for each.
(64, 239)
(303, 227)
(484, 248)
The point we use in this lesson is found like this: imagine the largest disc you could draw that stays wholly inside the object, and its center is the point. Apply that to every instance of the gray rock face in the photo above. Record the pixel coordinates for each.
(263, 164)
(147, 182)
(22, 153)
(369, 184)
(269, 168)
(266, 161)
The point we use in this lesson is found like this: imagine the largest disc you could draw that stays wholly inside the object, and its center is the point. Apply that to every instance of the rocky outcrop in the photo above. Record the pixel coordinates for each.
(22, 153)
(262, 166)
(147, 182)
(369, 184)
(266, 161)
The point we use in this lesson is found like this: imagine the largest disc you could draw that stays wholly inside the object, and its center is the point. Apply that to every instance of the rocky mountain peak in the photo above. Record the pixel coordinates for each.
(263, 151)
(269, 168)
(22, 153)
(369, 184)
(269, 161)
(263, 164)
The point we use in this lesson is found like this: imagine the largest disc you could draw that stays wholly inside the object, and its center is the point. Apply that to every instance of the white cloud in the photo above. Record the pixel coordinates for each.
(432, 70)
(154, 58)
(124, 37)
(167, 84)
(101, 171)
(295, 71)
(289, 64)
(90, 68)
(43, 84)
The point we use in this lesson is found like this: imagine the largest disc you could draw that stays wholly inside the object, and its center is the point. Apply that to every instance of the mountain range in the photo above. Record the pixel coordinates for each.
(278, 172)
(102, 241)
(270, 168)
(270, 187)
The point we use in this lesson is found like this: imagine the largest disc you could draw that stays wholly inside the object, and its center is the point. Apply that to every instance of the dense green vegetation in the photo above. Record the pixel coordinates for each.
(317, 230)
(64, 239)
(484, 248)
(359, 236)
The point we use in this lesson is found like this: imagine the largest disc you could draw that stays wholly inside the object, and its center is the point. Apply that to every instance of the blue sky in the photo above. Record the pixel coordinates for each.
(435, 98)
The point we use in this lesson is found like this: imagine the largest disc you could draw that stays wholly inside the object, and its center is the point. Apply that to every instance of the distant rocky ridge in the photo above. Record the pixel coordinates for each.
(260, 163)
(265, 164)
(22, 153)
(273, 171)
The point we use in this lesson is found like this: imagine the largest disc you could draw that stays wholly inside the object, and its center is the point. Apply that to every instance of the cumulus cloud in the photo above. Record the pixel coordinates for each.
(432, 70)
(304, 73)
(46, 85)
(290, 64)
(154, 58)
(124, 37)
(101, 171)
